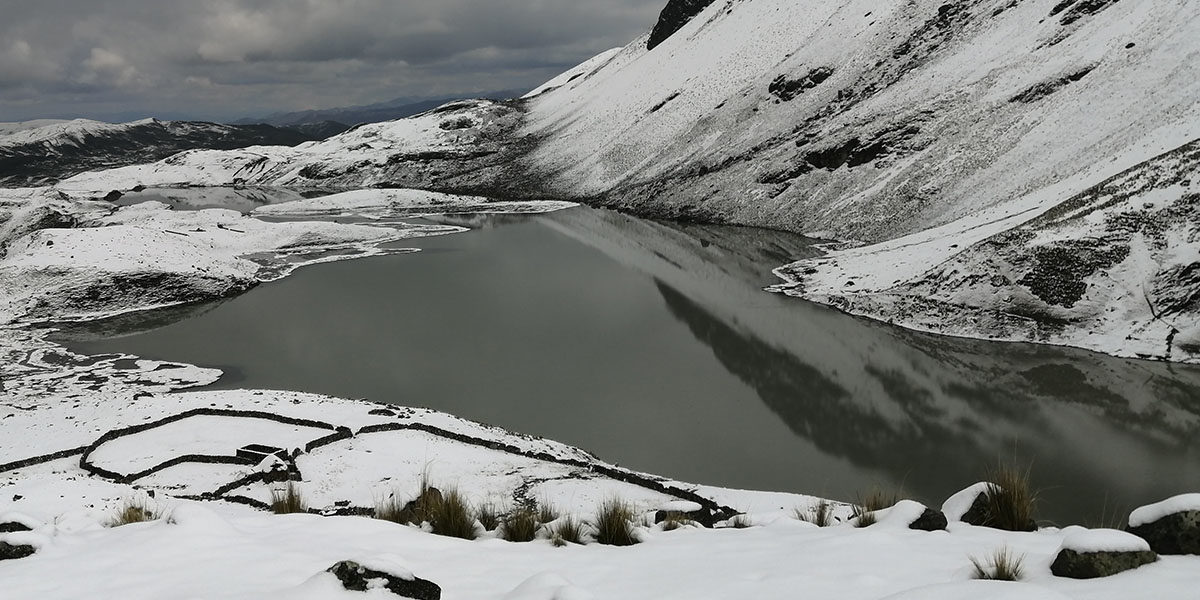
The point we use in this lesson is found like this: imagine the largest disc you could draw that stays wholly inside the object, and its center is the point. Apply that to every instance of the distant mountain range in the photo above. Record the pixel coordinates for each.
(332, 121)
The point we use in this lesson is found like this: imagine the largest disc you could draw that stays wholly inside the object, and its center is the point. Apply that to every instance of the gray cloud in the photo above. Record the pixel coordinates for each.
(228, 58)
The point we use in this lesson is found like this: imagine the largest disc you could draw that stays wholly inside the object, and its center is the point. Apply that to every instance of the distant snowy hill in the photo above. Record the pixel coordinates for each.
(324, 120)
(37, 152)
(938, 131)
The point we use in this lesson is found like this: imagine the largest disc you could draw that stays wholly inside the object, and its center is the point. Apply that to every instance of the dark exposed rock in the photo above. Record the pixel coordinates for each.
(1177, 533)
(1073, 10)
(1059, 275)
(13, 527)
(930, 520)
(786, 89)
(674, 16)
(357, 578)
(381, 412)
(1089, 565)
(15, 551)
(1041, 90)
(857, 152)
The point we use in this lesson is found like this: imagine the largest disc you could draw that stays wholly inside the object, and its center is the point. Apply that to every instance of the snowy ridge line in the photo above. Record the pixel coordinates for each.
(718, 511)
(87, 465)
(37, 460)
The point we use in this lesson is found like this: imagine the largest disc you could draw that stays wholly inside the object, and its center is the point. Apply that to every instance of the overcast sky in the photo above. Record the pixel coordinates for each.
(223, 59)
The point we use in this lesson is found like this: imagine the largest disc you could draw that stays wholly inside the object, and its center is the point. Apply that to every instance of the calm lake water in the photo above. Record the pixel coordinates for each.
(653, 345)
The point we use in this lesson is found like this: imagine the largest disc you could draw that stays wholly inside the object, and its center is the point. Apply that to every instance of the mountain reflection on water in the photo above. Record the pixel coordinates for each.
(653, 345)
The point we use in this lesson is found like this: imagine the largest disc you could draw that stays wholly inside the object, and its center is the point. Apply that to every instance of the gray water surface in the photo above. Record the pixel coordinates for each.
(653, 345)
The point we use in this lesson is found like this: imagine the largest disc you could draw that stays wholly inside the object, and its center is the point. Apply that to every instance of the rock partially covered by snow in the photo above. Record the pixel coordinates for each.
(1171, 526)
(1091, 553)
(384, 573)
(958, 505)
(909, 514)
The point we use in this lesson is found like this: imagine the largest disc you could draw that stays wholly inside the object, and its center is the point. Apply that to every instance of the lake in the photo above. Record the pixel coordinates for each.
(653, 345)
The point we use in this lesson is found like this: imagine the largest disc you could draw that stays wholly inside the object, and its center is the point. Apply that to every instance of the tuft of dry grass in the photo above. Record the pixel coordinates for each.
(453, 516)
(288, 500)
(568, 530)
(1003, 566)
(614, 523)
(741, 522)
(863, 517)
(547, 512)
(820, 515)
(134, 510)
(1010, 501)
(488, 516)
(879, 499)
(520, 525)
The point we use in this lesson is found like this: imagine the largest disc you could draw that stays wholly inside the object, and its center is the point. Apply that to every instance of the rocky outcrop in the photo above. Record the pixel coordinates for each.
(676, 14)
(358, 578)
(930, 520)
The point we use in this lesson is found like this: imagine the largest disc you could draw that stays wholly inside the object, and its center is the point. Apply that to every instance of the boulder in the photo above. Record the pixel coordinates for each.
(1171, 526)
(359, 578)
(13, 527)
(1091, 553)
(15, 551)
(930, 520)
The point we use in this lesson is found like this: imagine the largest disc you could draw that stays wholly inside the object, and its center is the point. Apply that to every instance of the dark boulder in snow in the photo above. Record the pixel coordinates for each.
(14, 551)
(13, 527)
(1170, 527)
(358, 578)
(674, 16)
(930, 520)
(1091, 553)
(1089, 565)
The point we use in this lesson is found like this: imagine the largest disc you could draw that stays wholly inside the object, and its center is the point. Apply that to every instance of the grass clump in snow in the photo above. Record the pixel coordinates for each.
(875, 500)
(614, 523)
(488, 517)
(820, 515)
(547, 513)
(134, 511)
(1003, 566)
(520, 525)
(1010, 501)
(288, 500)
(452, 516)
(568, 530)
(864, 517)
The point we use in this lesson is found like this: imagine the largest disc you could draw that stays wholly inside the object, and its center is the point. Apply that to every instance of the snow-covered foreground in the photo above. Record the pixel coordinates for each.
(212, 552)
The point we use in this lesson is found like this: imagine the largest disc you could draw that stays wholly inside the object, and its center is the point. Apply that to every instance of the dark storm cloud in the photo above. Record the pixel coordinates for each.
(228, 58)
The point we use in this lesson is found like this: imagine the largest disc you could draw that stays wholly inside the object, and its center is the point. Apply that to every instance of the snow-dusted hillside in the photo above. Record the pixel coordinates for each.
(953, 123)
(430, 150)
(37, 152)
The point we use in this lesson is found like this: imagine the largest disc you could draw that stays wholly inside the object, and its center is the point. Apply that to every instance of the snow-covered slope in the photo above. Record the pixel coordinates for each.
(13, 127)
(37, 152)
(952, 122)
(427, 150)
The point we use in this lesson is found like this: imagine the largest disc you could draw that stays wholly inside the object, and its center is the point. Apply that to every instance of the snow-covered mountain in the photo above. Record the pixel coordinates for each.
(37, 152)
(926, 127)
